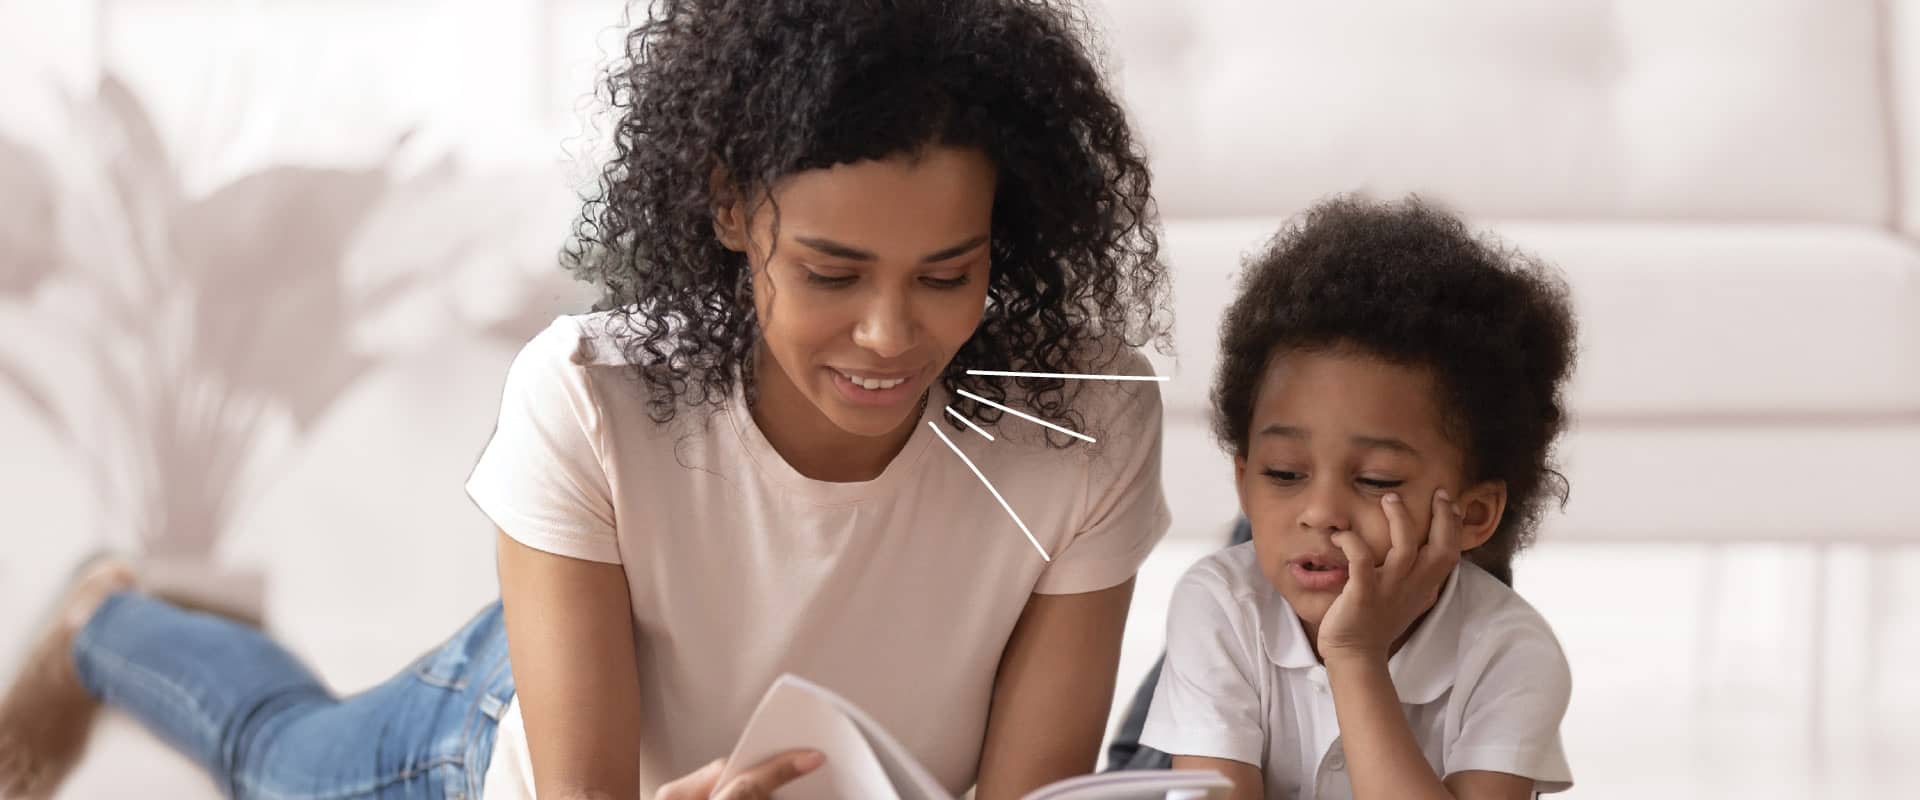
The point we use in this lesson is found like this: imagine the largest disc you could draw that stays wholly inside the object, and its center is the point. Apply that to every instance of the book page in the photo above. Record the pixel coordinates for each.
(1146, 784)
(910, 779)
(797, 715)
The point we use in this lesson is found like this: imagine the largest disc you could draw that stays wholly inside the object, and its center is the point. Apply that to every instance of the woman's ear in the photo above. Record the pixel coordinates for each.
(1483, 505)
(729, 212)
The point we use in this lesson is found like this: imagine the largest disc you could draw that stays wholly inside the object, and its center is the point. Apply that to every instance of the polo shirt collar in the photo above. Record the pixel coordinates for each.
(1422, 670)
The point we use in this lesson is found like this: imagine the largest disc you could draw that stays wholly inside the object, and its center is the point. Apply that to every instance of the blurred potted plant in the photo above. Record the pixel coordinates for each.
(181, 347)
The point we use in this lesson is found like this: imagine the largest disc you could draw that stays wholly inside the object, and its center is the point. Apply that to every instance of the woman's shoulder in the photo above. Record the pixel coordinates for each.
(1112, 404)
(586, 365)
(594, 339)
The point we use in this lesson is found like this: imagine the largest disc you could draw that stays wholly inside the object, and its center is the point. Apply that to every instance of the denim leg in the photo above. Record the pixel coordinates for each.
(264, 727)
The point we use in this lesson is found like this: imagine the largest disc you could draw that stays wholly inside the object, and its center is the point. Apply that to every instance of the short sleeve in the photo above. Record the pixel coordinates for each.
(1513, 712)
(1208, 701)
(542, 478)
(1126, 509)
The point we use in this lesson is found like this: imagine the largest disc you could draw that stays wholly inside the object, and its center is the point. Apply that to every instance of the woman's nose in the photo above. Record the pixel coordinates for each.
(886, 326)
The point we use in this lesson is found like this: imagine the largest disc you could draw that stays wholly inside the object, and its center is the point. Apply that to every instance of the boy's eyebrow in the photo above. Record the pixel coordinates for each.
(1386, 443)
(1368, 442)
(851, 253)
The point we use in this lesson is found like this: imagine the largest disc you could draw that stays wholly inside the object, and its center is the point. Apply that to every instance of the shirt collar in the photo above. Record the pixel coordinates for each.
(1422, 670)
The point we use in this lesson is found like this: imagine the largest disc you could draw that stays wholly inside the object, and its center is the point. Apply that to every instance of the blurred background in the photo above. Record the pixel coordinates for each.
(263, 264)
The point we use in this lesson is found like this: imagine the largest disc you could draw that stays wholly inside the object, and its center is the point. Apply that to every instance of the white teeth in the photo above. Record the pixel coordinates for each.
(873, 384)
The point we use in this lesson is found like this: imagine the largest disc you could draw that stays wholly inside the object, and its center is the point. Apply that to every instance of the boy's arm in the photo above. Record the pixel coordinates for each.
(1383, 759)
(1248, 784)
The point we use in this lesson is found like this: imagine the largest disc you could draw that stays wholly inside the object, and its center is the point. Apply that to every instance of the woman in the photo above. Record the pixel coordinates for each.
(818, 216)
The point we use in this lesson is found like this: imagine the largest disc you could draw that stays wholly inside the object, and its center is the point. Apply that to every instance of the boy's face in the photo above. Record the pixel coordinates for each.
(1333, 432)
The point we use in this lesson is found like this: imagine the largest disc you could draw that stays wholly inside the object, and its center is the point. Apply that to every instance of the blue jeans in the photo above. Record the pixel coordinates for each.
(264, 727)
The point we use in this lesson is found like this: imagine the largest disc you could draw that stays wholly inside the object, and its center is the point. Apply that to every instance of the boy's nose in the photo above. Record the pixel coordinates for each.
(1325, 512)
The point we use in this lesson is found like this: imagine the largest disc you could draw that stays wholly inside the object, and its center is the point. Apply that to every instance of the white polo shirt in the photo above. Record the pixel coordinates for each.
(1483, 682)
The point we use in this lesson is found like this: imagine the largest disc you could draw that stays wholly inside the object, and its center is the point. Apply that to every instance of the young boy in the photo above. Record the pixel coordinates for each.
(1390, 388)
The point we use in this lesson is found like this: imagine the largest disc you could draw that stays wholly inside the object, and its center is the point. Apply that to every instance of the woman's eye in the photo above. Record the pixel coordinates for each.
(829, 281)
(947, 283)
(1282, 476)
(1378, 483)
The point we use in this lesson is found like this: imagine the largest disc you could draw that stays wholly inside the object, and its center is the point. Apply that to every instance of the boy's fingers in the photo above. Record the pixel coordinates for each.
(1403, 538)
(1360, 575)
(1444, 537)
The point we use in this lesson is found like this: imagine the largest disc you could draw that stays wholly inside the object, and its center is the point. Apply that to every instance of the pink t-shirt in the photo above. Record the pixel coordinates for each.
(898, 592)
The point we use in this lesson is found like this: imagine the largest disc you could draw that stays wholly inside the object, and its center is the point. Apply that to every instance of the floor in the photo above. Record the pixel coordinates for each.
(1694, 669)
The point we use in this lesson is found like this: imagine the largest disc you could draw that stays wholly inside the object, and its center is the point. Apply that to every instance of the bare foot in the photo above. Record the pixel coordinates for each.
(46, 715)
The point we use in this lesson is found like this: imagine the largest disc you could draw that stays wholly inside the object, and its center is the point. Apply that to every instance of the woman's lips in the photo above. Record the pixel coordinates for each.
(855, 394)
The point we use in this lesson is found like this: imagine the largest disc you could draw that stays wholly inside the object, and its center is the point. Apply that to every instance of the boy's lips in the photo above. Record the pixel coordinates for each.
(1319, 572)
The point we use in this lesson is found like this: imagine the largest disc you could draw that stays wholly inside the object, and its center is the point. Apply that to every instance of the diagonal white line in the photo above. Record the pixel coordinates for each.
(1068, 375)
(1028, 417)
(989, 484)
(976, 428)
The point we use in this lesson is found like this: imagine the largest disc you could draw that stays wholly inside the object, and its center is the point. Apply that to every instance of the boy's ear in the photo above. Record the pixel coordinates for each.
(729, 212)
(1483, 505)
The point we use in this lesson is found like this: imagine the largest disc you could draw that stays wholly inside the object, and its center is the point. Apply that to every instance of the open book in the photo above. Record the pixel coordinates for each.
(865, 761)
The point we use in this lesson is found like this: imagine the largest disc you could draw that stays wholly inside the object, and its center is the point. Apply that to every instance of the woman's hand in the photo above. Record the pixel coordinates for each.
(757, 783)
(1379, 603)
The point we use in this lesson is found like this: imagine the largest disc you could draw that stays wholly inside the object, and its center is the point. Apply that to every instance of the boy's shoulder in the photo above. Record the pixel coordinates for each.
(1229, 588)
(1493, 610)
(1228, 573)
(1496, 624)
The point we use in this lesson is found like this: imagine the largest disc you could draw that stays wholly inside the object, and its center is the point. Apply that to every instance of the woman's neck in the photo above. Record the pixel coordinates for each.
(810, 442)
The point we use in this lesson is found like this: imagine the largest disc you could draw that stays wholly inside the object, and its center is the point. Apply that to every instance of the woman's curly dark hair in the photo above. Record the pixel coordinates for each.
(759, 89)
(1409, 283)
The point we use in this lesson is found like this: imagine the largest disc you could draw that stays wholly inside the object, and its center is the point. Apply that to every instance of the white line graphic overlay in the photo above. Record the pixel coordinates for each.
(1028, 417)
(1067, 375)
(969, 423)
(989, 484)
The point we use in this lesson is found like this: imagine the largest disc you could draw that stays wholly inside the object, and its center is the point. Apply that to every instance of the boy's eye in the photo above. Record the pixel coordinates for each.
(1282, 476)
(1378, 483)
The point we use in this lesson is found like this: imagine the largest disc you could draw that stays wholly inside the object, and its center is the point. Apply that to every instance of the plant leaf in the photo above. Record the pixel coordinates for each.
(36, 398)
(144, 178)
(264, 257)
(29, 235)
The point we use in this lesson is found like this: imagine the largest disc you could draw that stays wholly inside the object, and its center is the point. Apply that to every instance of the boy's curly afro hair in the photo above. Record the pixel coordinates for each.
(1409, 283)
(758, 89)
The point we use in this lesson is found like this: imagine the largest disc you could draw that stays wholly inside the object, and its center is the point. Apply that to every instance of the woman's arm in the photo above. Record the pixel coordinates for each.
(570, 636)
(1053, 690)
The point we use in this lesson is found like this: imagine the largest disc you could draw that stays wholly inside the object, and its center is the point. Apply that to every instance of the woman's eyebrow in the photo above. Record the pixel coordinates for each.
(835, 249)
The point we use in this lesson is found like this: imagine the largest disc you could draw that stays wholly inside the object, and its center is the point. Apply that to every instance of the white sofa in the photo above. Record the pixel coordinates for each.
(1735, 198)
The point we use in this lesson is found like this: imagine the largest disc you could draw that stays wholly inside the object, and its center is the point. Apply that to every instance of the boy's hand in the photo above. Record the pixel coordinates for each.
(1380, 602)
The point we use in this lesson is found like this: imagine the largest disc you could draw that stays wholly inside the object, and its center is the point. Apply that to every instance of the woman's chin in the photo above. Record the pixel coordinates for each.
(869, 423)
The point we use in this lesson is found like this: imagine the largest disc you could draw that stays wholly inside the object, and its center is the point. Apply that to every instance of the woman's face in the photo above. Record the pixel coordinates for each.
(875, 277)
